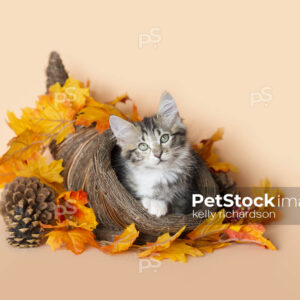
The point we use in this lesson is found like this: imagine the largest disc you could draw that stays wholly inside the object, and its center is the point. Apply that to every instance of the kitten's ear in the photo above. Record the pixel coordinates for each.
(168, 110)
(124, 131)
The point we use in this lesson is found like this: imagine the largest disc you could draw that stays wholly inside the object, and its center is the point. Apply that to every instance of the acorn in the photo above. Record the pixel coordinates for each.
(27, 202)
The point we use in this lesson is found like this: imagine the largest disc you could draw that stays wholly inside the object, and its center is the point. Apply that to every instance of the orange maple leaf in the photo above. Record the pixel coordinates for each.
(71, 206)
(75, 240)
(7, 174)
(99, 113)
(96, 112)
(252, 233)
(135, 116)
(213, 234)
(122, 99)
(75, 223)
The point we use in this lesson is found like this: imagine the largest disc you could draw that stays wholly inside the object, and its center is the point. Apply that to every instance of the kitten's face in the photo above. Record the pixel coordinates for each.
(155, 142)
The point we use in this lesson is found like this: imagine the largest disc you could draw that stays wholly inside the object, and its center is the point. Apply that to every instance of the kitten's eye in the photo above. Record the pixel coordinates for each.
(164, 138)
(143, 146)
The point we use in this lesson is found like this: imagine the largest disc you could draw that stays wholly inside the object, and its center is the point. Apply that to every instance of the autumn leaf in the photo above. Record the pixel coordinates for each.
(80, 197)
(49, 174)
(23, 147)
(74, 240)
(122, 242)
(54, 119)
(59, 225)
(163, 242)
(178, 251)
(17, 125)
(50, 119)
(273, 212)
(210, 227)
(206, 150)
(37, 128)
(74, 230)
(252, 233)
(71, 207)
(97, 112)
(73, 92)
(209, 246)
(135, 116)
(122, 99)
(89, 115)
(213, 234)
(7, 174)
(205, 147)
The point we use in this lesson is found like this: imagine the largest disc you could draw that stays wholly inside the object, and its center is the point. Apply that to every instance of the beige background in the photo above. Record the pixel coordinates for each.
(211, 57)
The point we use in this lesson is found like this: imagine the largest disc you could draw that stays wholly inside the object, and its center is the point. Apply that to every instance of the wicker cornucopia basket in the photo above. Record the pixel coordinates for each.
(87, 161)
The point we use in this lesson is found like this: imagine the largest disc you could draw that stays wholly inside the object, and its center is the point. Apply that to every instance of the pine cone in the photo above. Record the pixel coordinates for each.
(25, 203)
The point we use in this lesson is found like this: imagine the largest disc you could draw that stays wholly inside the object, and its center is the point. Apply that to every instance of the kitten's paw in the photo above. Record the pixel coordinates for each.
(146, 203)
(158, 208)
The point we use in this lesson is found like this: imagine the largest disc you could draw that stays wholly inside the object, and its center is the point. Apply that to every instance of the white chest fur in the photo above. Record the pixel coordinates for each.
(147, 179)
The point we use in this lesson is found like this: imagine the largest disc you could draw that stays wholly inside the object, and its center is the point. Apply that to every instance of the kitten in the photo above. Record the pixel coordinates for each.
(155, 162)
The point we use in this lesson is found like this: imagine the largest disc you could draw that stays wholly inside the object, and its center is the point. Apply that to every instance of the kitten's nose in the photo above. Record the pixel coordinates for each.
(158, 155)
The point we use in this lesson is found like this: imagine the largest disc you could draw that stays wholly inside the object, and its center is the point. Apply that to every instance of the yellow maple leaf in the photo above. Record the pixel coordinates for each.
(17, 125)
(178, 251)
(273, 212)
(49, 121)
(163, 242)
(122, 242)
(49, 174)
(206, 150)
(210, 227)
(24, 146)
(54, 119)
(75, 240)
(208, 246)
(73, 92)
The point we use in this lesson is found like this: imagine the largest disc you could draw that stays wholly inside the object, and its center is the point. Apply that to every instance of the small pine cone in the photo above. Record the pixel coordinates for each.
(25, 203)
